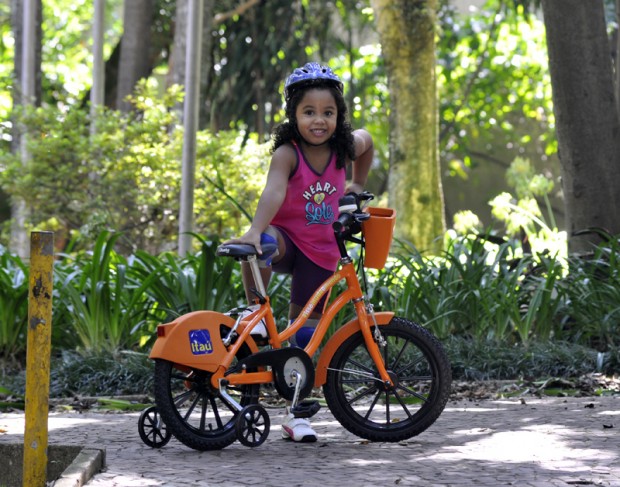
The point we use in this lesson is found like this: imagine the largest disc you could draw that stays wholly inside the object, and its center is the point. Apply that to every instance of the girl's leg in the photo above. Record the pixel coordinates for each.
(307, 277)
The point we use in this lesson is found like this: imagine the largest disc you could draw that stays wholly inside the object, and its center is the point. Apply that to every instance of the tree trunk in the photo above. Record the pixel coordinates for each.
(617, 56)
(135, 59)
(587, 121)
(407, 33)
(97, 91)
(204, 113)
(190, 121)
(176, 65)
(27, 92)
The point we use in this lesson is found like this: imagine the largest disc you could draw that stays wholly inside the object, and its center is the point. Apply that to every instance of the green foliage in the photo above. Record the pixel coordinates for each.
(458, 294)
(524, 215)
(496, 292)
(195, 282)
(593, 296)
(6, 61)
(250, 63)
(105, 302)
(101, 373)
(488, 360)
(125, 177)
(368, 101)
(105, 306)
(13, 304)
(501, 314)
(493, 78)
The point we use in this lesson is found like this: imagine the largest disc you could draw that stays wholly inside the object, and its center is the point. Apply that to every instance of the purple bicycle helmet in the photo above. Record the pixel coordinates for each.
(309, 73)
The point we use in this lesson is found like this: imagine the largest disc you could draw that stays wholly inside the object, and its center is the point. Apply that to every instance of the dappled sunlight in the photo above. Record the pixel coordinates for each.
(535, 444)
(367, 461)
(528, 441)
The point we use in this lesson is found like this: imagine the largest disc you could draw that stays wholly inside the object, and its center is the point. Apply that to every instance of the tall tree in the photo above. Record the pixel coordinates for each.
(407, 33)
(176, 63)
(587, 118)
(135, 62)
(98, 87)
(26, 19)
(616, 49)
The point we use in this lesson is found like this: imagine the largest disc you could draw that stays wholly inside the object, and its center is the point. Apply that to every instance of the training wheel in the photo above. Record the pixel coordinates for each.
(153, 431)
(252, 425)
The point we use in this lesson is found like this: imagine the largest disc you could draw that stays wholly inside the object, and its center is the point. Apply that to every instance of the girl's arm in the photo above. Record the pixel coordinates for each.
(282, 163)
(364, 152)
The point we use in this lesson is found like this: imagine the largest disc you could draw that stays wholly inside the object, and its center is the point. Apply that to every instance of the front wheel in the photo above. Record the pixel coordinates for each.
(421, 377)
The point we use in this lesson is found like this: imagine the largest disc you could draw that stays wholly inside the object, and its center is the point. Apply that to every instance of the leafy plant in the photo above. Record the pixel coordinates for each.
(102, 373)
(13, 304)
(490, 360)
(124, 176)
(593, 296)
(106, 306)
(197, 282)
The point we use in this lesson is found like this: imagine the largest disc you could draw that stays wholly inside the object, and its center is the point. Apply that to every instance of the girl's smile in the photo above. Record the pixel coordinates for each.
(317, 115)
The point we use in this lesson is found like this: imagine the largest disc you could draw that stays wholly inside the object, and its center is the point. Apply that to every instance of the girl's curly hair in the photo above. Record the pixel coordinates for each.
(341, 143)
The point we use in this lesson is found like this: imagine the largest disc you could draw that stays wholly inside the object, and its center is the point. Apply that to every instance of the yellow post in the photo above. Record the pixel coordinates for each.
(38, 358)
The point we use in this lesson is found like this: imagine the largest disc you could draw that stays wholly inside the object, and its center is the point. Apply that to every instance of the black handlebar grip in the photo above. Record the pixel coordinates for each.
(343, 222)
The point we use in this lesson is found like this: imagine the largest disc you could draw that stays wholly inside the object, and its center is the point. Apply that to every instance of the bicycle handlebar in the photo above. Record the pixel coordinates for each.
(350, 207)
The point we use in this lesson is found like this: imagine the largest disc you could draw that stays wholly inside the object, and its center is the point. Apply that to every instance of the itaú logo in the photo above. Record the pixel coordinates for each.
(200, 342)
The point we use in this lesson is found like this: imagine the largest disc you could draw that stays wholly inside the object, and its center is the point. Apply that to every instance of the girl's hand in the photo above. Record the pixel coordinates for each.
(354, 188)
(250, 238)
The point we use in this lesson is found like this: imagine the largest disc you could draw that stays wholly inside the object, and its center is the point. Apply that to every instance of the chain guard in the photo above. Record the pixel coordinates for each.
(282, 362)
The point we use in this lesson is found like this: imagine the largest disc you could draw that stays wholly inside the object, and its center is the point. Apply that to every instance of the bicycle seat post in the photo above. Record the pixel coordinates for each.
(256, 274)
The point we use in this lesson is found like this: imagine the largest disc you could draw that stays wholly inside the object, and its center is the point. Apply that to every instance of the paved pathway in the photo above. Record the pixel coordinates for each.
(541, 442)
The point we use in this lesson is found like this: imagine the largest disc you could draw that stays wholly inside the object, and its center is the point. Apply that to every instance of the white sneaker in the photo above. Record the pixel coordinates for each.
(298, 429)
(260, 329)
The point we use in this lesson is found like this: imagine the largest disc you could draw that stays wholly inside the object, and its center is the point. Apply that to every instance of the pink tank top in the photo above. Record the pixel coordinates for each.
(309, 209)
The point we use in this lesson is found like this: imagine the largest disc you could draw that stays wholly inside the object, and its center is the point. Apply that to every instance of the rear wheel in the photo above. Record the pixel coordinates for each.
(421, 377)
(194, 410)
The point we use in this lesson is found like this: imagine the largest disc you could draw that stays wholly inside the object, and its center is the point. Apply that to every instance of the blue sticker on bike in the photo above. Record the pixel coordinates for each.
(200, 342)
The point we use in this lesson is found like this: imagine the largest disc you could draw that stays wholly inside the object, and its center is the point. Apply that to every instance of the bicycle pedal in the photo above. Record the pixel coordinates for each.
(306, 409)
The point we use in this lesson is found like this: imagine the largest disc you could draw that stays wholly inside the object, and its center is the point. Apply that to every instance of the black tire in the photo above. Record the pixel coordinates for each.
(153, 431)
(420, 369)
(252, 425)
(194, 410)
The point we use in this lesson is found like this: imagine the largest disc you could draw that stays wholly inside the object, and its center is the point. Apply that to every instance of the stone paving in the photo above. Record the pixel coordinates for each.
(527, 442)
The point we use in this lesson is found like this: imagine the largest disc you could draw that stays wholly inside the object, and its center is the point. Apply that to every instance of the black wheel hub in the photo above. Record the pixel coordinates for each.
(382, 386)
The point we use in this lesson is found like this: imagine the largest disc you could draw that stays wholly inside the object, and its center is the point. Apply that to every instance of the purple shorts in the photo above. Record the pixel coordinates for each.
(306, 275)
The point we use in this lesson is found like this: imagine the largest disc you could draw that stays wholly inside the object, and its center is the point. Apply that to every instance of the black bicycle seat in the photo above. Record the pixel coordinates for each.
(243, 251)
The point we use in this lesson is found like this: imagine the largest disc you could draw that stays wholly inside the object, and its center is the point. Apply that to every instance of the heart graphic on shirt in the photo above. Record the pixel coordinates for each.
(319, 197)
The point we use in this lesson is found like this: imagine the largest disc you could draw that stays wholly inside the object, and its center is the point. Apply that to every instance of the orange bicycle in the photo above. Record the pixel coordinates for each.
(384, 378)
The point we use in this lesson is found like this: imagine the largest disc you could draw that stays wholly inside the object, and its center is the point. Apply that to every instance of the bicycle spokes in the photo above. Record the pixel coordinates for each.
(419, 383)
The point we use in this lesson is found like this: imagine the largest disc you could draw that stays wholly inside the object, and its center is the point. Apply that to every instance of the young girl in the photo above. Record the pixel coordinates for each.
(307, 176)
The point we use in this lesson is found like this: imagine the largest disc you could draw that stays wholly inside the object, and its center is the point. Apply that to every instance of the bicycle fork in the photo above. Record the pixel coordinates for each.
(374, 341)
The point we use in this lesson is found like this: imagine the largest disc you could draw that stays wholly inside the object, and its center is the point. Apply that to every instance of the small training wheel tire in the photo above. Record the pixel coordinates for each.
(153, 431)
(252, 425)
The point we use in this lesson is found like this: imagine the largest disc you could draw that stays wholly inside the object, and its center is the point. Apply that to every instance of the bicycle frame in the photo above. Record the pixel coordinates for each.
(171, 343)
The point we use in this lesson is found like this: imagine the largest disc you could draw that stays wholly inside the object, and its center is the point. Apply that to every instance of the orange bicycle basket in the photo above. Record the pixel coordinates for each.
(378, 231)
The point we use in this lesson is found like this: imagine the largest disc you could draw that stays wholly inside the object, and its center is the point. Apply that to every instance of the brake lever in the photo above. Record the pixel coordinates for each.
(361, 216)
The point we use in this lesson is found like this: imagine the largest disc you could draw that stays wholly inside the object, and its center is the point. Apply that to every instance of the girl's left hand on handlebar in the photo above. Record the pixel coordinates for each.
(354, 188)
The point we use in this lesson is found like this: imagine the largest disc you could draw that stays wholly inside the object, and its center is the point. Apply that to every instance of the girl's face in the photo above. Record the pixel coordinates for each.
(316, 116)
